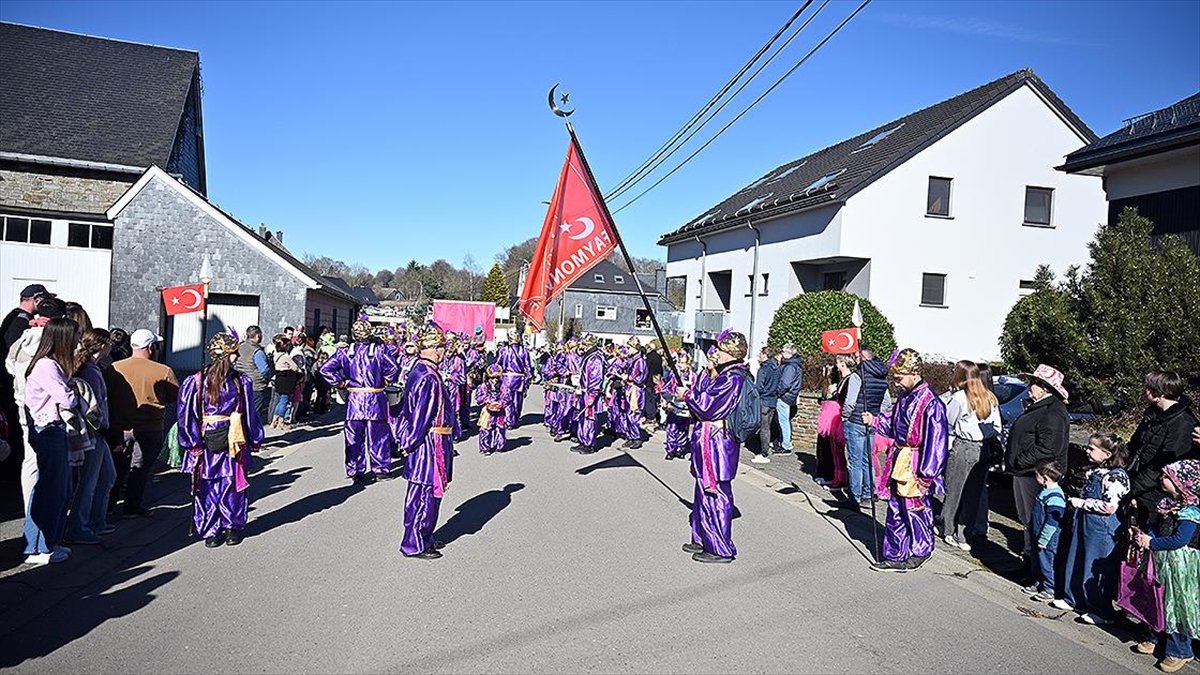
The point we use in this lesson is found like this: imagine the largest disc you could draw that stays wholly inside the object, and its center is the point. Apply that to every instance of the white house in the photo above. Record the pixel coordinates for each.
(939, 218)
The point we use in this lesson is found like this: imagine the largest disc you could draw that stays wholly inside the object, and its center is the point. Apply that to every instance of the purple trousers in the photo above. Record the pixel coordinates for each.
(679, 442)
(218, 506)
(516, 398)
(420, 517)
(587, 428)
(618, 414)
(493, 438)
(368, 440)
(550, 406)
(712, 519)
(907, 531)
(464, 409)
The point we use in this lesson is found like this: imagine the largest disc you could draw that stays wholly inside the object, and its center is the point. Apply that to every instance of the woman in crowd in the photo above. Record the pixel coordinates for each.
(287, 378)
(218, 429)
(1174, 539)
(1038, 435)
(88, 516)
(1090, 581)
(974, 416)
(679, 420)
(832, 472)
(46, 394)
(1163, 436)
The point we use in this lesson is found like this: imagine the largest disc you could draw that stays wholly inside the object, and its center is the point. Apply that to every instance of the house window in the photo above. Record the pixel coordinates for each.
(1027, 286)
(763, 289)
(578, 311)
(823, 181)
(749, 285)
(598, 278)
(834, 281)
(317, 318)
(25, 231)
(618, 279)
(86, 235)
(1038, 203)
(102, 236)
(938, 203)
(606, 313)
(933, 290)
(878, 137)
(642, 322)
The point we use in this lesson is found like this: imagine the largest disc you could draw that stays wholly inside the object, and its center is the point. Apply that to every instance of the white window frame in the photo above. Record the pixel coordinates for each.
(618, 279)
(1049, 216)
(949, 214)
(28, 230)
(602, 313)
(945, 301)
(578, 310)
(762, 290)
(598, 278)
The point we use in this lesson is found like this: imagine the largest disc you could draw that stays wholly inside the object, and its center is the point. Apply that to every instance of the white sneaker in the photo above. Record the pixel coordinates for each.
(1059, 603)
(1094, 620)
(46, 558)
(761, 459)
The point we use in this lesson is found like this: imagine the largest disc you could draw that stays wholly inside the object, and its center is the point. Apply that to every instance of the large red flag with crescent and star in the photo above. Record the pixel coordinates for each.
(844, 341)
(183, 299)
(576, 235)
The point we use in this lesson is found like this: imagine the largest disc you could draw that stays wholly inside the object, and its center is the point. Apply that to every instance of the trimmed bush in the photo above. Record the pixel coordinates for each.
(802, 319)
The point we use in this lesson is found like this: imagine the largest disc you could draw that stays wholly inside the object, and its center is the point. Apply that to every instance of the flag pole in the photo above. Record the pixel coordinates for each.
(628, 261)
(857, 319)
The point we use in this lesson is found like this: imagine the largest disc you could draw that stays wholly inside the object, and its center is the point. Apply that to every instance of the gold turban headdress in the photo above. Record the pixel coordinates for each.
(906, 362)
(733, 343)
(362, 331)
(222, 345)
(430, 336)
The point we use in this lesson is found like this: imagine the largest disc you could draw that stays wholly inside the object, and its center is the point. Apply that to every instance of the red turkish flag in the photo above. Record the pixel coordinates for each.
(576, 235)
(183, 299)
(844, 341)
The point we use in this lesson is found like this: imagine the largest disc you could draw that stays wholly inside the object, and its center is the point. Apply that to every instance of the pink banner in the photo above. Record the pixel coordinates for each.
(464, 317)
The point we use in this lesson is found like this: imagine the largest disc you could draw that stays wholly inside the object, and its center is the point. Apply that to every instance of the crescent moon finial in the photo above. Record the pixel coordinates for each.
(554, 104)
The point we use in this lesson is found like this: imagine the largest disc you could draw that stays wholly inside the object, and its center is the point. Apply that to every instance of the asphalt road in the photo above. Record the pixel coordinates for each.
(555, 563)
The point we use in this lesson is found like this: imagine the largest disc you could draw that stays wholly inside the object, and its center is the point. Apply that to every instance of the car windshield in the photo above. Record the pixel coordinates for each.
(1006, 392)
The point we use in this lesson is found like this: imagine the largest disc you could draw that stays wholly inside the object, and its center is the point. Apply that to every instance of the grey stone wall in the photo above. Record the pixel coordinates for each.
(160, 240)
(25, 188)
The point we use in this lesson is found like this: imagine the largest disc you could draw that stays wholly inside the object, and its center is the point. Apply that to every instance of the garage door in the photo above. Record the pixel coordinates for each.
(186, 338)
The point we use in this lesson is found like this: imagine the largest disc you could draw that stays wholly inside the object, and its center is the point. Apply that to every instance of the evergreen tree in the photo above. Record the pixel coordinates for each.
(495, 288)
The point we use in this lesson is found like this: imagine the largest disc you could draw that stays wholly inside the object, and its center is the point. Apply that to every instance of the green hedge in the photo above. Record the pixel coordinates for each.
(803, 318)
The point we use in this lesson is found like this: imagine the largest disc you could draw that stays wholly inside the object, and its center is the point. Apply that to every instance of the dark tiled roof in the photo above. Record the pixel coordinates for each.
(86, 98)
(1175, 126)
(837, 172)
(609, 272)
(337, 284)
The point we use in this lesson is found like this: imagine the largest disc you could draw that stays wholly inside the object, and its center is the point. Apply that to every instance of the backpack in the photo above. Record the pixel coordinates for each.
(746, 418)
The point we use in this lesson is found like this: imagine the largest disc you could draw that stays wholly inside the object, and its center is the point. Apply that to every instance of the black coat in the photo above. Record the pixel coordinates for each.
(1163, 437)
(1038, 435)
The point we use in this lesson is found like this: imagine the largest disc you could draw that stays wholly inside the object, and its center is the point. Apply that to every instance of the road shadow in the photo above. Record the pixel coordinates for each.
(302, 508)
(470, 516)
(514, 443)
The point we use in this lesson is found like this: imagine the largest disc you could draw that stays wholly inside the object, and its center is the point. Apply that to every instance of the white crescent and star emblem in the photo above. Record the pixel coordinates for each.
(849, 340)
(194, 305)
(588, 228)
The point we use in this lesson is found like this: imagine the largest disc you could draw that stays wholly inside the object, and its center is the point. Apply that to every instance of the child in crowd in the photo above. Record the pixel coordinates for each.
(492, 425)
(1091, 567)
(1045, 526)
(1177, 562)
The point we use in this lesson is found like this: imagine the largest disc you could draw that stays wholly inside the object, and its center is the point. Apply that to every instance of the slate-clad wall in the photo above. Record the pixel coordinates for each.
(186, 155)
(627, 306)
(160, 240)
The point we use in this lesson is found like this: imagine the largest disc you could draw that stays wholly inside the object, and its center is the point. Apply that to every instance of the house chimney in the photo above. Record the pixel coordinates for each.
(279, 236)
(263, 231)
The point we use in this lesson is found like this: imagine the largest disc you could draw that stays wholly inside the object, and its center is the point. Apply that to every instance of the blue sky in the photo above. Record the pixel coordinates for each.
(380, 132)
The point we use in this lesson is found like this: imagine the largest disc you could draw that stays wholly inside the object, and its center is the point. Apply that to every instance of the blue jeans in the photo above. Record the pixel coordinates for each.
(1179, 646)
(1043, 566)
(52, 493)
(783, 412)
(89, 505)
(1091, 568)
(281, 406)
(859, 440)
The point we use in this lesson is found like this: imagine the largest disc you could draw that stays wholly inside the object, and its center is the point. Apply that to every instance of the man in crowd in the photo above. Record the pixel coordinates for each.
(14, 324)
(918, 427)
(514, 361)
(634, 393)
(252, 360)
(140, 389)
(791, 374)
(365, 370)
(865, 393)
(654, 373)
(425, 439)
(767, 382)
(589, 400)
(712, 402)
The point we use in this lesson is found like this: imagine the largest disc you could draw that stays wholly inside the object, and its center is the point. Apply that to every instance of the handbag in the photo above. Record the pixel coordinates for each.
(1140, 593)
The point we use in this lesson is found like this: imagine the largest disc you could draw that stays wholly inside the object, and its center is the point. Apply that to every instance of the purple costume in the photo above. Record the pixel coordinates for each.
(514, 362)
(454, 370)
(552, 398)
(917, 422)
(365, 369)
(635, 395)
(591, 380)
(678, 425)
(614, 397)
(425, 428)
(491, 396)
(715, 458)
(218, 479)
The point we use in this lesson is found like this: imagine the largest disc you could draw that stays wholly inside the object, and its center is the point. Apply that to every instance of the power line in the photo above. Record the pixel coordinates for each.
(748, 108)
(729, 100)
(640, 172)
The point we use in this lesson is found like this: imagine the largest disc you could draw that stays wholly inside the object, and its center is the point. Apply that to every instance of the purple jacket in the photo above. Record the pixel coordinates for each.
(236, 394)
(714, 447)
(425, 420)
(363, 366)
(919, 420)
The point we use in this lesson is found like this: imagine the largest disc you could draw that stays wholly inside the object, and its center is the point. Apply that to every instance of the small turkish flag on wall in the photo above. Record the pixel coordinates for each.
(844, 341)
(183, 299)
